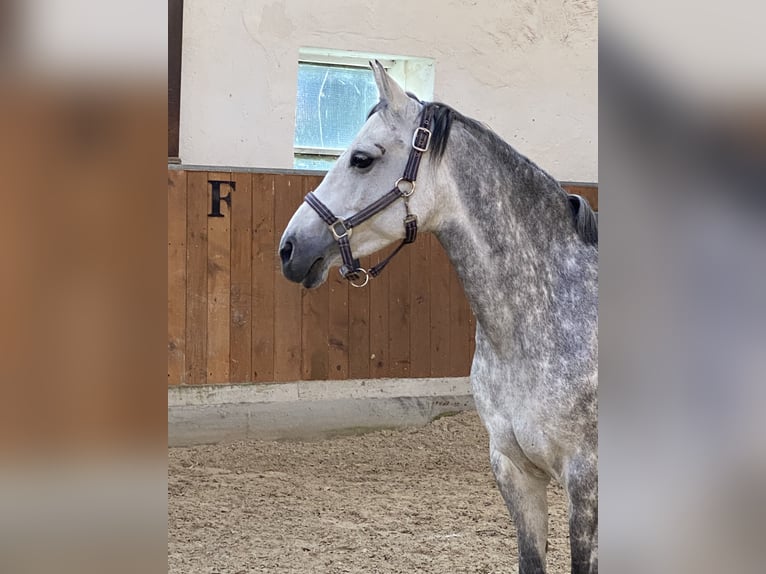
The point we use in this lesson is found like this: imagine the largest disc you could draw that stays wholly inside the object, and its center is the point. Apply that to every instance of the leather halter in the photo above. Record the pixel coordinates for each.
(403, 189)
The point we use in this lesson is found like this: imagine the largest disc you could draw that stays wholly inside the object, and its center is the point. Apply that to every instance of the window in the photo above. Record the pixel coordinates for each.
(332, 105)
(335, 92)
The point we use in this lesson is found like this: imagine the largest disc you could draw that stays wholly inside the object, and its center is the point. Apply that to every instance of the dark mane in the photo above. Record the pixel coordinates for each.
(585, 220)
(583, 217)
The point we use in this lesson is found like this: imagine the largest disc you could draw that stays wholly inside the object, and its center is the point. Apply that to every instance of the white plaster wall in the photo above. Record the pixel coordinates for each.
(528, 68)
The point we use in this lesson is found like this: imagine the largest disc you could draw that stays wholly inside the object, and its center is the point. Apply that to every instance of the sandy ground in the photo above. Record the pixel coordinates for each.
(405, 501)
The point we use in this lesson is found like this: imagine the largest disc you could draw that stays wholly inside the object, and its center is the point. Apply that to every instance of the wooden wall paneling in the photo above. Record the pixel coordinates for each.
(240, 331)
(399, 313)
(379, 322)
(359, 328)
(196, 277)
(263, 273)
(315, 356)
(288, 193)
(338, 328)
(219, 284)
(420, 306)
(232, 317)
(440, 311)
(339, 320)
(176, 277)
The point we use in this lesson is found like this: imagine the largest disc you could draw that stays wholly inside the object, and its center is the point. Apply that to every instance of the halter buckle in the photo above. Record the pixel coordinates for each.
(424, 147)
(345, 233)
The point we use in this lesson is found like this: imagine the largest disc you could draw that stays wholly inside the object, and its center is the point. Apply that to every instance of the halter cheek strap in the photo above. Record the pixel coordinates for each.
(403, 188)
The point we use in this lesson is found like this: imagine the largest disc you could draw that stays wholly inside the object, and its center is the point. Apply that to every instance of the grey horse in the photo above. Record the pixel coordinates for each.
(527, 255)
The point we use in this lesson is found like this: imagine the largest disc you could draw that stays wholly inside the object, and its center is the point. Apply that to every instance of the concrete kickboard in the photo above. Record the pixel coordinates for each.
(308, 410)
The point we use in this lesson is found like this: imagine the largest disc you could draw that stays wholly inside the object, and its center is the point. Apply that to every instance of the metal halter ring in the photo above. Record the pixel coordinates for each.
(366, 278)
(402, 191)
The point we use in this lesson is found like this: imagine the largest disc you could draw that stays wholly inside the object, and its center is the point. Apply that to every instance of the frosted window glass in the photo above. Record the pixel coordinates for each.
(317, 162)
(332, 105)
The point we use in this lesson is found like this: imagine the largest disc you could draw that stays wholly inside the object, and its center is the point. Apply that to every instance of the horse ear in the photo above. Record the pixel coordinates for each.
(388, 90)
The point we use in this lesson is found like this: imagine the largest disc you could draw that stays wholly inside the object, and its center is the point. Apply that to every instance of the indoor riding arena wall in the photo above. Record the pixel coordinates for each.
(233, 318)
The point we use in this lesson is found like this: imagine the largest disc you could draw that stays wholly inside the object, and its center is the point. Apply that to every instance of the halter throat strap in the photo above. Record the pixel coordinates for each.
(403, 189)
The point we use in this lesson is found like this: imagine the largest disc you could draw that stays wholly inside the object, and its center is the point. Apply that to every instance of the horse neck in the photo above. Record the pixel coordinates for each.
(507, 232)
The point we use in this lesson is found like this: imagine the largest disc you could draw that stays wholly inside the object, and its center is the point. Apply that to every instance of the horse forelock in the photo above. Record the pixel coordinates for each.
(381, 105)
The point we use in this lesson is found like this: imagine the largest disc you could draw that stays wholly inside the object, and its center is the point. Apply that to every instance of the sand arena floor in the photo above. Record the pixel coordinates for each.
(403, 501)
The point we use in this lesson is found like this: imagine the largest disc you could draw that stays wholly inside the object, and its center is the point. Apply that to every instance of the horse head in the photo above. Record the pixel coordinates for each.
(341, 211)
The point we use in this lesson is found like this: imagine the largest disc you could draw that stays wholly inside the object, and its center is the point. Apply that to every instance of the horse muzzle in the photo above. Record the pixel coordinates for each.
(305, 261)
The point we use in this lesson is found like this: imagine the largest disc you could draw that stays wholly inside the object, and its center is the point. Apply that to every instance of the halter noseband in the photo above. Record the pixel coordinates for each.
(403, 189)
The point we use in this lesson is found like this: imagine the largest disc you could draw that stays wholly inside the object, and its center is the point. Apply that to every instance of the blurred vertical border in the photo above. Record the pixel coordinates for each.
(682, 110)
(82, 317)
(83, 126)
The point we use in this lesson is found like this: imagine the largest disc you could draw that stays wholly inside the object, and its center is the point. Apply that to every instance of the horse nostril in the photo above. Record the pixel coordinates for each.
(286, 253)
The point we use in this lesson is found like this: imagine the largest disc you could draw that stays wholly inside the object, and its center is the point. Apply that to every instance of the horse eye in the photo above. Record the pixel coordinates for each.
(361, 160)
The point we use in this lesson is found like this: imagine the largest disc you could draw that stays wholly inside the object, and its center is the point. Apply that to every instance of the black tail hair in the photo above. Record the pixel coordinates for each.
(585, 220)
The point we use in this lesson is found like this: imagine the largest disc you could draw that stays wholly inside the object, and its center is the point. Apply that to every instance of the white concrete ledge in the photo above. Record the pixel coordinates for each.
(308, 410)
(315, 390)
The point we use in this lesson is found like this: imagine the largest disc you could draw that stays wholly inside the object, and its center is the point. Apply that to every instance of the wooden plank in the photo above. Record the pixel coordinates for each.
(264, 269)
(196, 278)
(440, 311)
(359, 328)
(380, 366)
(460, 339)
(288, 194)
(176, 276)
(589, 192)
(218, 285)
(240, 330)
(315, 357)
(338, 326)
(420, 306)
(399, 314)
